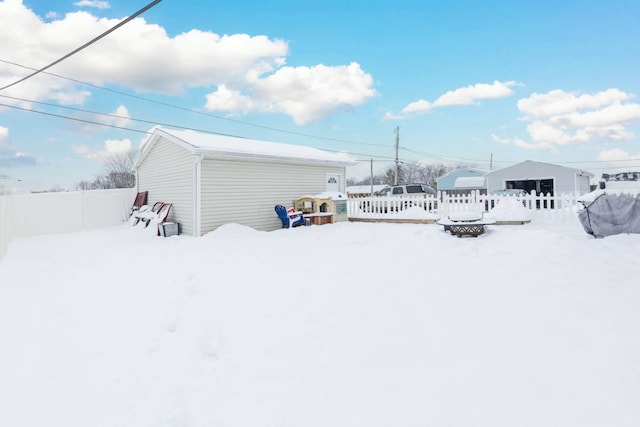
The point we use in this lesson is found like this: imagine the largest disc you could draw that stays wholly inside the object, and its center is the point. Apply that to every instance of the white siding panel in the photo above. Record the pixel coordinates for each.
(168, 174)
(246, 192)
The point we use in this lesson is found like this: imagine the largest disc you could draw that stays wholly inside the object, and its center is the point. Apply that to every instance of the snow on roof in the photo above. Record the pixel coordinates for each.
(467, 171)
(333, 195)
(232, 146)
(537, 165)
(470, 182)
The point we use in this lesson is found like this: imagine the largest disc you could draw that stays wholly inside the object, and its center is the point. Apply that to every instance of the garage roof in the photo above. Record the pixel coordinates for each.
(225, 146)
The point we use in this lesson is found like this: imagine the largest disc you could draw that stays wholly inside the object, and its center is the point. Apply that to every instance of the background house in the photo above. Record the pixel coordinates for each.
(544, 178)
(214, 179)
(447, 183)
(621, 181)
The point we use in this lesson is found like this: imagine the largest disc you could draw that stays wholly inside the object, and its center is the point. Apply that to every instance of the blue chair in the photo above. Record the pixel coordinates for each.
(289, 219)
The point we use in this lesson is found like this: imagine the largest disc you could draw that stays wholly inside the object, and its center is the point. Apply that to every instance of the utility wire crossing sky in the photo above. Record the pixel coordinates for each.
(465, 82)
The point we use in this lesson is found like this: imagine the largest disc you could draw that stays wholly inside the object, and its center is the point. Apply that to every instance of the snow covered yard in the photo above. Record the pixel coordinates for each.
(350, 324)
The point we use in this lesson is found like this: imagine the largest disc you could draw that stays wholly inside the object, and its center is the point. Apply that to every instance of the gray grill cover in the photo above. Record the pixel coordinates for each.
(611, 214)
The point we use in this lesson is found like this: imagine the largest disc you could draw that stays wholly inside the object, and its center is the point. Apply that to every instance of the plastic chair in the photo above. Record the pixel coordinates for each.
(140, 200)
(289, 219)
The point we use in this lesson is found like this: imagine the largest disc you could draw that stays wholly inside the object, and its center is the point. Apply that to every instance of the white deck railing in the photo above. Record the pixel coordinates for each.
(557, 208)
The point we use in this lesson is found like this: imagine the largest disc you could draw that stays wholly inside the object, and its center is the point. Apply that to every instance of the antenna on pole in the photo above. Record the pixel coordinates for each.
(397, 131)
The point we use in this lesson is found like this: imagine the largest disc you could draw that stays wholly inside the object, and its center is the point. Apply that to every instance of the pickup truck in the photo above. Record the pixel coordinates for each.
(407, 190)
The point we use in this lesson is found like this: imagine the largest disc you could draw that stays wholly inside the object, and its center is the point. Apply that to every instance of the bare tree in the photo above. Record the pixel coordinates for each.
(414, 173)
(120, 169)
(429, 174)
(408, 173)
(377, 179)
(119, 173)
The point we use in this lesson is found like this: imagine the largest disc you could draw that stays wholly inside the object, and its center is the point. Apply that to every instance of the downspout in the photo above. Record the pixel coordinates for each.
(197, 195)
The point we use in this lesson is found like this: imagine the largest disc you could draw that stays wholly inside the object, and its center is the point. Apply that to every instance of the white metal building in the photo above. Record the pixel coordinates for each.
(544, 178)
(212, 180)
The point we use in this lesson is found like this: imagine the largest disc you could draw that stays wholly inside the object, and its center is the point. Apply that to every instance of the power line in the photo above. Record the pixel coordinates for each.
(89, 43)
(115, 116)
(516, 161)
(75, 119)
(455, 159)
(109, 125)
(395, 159)
(202, 113)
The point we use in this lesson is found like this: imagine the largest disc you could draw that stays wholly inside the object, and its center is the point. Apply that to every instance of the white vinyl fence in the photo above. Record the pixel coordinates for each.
(23, 215)
(48, 213)
(555, 208)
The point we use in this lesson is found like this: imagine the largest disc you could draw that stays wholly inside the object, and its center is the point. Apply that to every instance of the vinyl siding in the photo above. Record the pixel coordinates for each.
(246, 192)
(168, 174)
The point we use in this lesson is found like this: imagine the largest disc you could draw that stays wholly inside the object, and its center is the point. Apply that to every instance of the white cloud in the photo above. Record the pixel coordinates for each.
(523, 144)
(118, 118)
(304, 93)
(539, 146)
(614, 154)
(558, 102)
(249, 71)
(470, 94)
(9, 157)
(4, 134)
(115, 146)
(225, 99)
(390, 115)
(93, 3)
(418, 107)
(617, 158)
(194, 58)
(464, 96)
(503, 141)
(123, 118)
(563, 118)
(111, 147)
(82, 150)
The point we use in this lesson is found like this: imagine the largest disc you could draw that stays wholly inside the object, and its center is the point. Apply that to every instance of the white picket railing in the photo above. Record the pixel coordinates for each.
(391, 207)
(554, 208)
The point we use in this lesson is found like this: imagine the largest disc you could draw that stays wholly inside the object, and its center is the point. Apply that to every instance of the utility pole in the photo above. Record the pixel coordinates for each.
(397, 131)
(491, 163)
(371, 177)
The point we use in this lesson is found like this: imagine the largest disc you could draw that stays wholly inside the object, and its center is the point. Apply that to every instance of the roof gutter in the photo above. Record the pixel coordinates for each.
(226, 155)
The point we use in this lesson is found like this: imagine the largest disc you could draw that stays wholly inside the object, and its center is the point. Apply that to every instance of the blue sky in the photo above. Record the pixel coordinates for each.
(465, 81)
